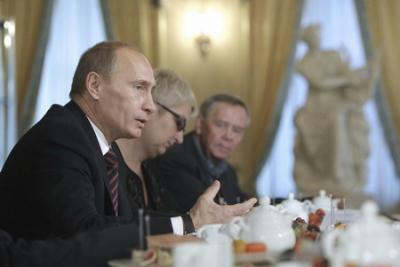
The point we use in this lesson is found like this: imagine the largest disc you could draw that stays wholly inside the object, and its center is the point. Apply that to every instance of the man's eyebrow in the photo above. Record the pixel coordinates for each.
(141, 81)
(239, 127)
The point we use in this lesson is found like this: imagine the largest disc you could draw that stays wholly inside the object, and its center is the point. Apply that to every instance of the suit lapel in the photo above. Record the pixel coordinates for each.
(98, 155)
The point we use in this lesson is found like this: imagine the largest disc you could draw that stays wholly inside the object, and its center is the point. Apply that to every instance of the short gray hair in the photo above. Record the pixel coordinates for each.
(207, 105)
(172, 91)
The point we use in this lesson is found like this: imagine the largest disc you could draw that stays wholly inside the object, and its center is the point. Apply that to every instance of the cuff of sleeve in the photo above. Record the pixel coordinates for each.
(177, 225)
(182, 225)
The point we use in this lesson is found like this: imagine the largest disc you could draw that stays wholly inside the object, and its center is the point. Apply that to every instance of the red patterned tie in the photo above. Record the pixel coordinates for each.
(112, 174)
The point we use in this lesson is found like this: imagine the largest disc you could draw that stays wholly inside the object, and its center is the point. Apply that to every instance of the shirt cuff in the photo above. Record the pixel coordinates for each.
(177, 225)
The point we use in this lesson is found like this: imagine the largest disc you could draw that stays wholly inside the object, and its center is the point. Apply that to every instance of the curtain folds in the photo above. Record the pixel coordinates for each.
(32, 26)
(272, 45)
(380, 22)
(272, 42)
(135, 23)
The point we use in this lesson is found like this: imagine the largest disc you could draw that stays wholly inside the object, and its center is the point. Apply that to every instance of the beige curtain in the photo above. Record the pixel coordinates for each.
(134, 22)
(383, 24)
(273, 27)
(28, 17)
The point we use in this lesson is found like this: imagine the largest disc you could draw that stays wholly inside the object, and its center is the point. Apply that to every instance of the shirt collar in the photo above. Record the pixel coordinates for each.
(216, 169)
(104, 146)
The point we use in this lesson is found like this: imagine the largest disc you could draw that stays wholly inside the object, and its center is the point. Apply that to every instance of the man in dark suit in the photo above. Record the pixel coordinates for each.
(64, 177)
(187, 169)
(54, 182)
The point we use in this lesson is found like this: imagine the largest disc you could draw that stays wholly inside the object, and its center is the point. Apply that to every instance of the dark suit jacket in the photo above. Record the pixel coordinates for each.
(84, 250)
(181, 177)
(155, 203)
(54, 182)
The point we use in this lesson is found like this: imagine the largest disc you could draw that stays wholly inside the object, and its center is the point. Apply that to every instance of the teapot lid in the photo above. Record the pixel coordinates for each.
(265, 201)
(370, 210)
(291, 201)
(295, 208)
(322, 196)
(322, 193)
(266, 213)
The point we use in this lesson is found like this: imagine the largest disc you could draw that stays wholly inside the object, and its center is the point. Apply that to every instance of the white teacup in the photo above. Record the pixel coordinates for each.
(203, 254)
(212, 233)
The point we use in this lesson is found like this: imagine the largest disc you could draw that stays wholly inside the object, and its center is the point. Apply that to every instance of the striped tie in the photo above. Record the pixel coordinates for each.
(112, 174)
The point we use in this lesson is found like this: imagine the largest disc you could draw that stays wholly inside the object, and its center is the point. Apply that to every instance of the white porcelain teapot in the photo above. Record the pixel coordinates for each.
(324, 202)
(295, 208)
(267, 224)
(369, 241)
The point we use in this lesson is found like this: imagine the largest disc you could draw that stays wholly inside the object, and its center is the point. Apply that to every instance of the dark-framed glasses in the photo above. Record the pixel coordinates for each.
(180, 121)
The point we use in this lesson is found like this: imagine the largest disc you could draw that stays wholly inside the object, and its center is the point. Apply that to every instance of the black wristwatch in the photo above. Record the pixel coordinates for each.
(188, 226)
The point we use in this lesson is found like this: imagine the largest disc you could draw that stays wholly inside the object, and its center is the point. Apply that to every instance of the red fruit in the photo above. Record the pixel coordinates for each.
(313, 218)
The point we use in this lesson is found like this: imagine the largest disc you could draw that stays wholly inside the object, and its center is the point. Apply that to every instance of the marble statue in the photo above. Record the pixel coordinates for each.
(332, 144)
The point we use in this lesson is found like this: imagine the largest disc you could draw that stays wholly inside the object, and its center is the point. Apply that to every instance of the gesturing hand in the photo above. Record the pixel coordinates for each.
(206, 211)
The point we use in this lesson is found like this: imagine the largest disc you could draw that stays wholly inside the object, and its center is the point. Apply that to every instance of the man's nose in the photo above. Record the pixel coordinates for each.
(228, 133)
(149, 105)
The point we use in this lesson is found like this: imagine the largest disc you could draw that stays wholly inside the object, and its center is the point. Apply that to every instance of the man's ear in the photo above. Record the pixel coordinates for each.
(93, 81)
(199, 125)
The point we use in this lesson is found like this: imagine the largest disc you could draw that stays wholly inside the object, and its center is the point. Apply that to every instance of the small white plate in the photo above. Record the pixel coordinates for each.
(120, 263)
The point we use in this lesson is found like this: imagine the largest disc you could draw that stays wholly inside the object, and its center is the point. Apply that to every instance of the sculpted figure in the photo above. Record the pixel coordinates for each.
(332, 134)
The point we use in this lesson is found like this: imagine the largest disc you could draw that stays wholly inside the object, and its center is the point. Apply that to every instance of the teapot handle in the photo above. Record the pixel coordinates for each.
(201, 233)
(328, 243)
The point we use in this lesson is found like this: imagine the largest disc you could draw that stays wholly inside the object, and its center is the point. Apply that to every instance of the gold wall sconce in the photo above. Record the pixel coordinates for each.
(204, 28)
(204, 44)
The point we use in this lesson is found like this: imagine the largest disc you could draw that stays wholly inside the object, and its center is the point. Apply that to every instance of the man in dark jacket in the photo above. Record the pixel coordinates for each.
(187, 169)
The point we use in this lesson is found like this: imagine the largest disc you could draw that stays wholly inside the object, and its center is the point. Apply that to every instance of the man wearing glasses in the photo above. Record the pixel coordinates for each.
(179, 120)
(186, 170)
